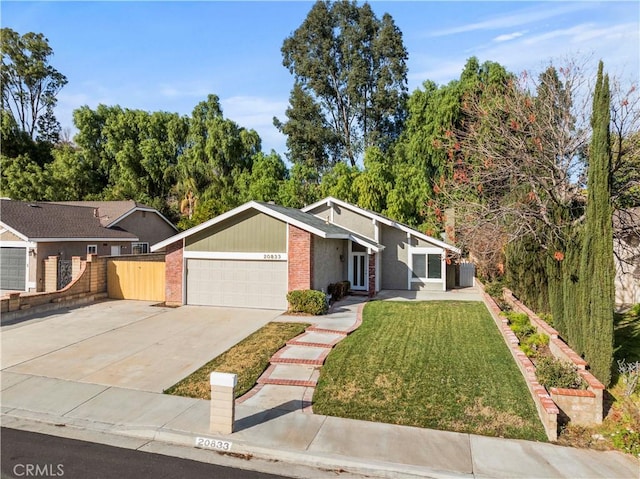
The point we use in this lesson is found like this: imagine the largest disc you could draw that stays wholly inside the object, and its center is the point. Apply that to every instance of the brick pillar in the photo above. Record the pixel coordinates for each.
(372, 275)
(51, 274)
(222, 406)
(173, 274)
(76, 265)
(300, 259)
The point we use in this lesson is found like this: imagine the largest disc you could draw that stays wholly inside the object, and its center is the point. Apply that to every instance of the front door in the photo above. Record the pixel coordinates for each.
(358, 271)
(115, 250)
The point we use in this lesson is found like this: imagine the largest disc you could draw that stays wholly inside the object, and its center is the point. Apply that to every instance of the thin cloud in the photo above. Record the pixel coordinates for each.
(522, 17)
(508, 36)
(257, 113)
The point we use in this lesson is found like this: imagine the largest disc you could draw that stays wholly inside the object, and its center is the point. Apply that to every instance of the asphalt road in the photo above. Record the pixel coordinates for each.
(28, 454)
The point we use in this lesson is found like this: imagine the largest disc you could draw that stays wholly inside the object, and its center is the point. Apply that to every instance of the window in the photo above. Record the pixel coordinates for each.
(139, 248)
(92, 249)
(426, 266)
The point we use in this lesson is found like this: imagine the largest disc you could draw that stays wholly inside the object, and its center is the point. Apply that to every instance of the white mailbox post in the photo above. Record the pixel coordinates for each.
(222, 402)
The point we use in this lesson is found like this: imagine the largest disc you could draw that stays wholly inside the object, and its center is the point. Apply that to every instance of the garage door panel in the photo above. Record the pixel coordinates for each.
(13, 268)
(237, 283)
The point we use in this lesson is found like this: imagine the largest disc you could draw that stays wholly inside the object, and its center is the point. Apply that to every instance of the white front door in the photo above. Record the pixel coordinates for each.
(358, 267)
(115, 250)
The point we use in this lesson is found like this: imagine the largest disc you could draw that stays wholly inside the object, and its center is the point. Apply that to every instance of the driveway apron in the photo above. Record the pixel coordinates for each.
(129, 344)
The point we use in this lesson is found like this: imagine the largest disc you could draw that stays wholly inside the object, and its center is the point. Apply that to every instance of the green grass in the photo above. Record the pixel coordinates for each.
(248, 359)
(439, 364)
(627, 335)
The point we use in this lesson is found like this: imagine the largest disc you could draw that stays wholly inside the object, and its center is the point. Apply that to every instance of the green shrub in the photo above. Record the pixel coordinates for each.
(494, 289)
(553, 373)
(627, 440)
(533, 343)
(338, 290)
(307, 301)
(520, 325)
(547, 318)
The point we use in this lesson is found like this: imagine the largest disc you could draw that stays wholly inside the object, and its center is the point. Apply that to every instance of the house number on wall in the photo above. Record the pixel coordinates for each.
(272, 256)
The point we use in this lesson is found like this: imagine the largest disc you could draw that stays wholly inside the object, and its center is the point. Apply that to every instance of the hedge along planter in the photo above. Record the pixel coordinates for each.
(581, 407)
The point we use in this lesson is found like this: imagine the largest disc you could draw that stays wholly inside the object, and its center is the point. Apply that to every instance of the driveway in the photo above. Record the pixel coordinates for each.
(129, 344)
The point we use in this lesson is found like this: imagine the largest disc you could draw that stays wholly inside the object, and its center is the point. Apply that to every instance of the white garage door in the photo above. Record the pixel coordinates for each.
(237, 283)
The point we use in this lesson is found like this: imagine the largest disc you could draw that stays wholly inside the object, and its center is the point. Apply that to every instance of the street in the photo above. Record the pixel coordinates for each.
(28, 454)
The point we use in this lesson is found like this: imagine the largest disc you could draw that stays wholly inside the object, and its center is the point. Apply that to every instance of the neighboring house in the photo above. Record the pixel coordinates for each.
(253, 255)
(32, 231)
(626, 245)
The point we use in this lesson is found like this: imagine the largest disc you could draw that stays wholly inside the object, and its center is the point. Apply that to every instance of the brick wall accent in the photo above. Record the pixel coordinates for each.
(51, 274)
(372, 275)
(91, 282)
(174, 264)
(300, 264)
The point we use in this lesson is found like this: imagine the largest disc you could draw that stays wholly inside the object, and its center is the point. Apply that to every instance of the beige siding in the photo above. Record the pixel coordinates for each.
(353, 221)
(9, 236)
(148, 227)
(327, 266)
(395, 259)
(250, 233)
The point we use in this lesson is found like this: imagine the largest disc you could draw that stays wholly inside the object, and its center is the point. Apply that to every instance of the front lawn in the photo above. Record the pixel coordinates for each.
(436, 364)
(248, 359)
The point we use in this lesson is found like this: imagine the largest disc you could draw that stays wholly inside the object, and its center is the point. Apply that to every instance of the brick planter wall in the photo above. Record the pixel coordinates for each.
(174, 264)
(579, 406)
(89, 283)
(547, 409)
(300, 254)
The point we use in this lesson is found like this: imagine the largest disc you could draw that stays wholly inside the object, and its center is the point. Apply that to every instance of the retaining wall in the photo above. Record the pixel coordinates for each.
(579, 406)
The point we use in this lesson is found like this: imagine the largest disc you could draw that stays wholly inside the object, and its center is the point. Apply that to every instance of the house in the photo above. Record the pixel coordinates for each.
(253, 255)
(32, 231)
(626, 248)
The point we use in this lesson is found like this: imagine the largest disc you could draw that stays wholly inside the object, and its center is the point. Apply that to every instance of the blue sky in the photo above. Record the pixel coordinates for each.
(170, 55)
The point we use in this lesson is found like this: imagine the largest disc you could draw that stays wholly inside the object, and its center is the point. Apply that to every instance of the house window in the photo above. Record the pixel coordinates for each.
(426, 266)
(139, 248)
(92, 249)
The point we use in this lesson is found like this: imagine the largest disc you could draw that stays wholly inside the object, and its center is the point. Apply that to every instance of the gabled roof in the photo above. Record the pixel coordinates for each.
(300, 219)
(382, 219)
(112, 212)
(43, 221)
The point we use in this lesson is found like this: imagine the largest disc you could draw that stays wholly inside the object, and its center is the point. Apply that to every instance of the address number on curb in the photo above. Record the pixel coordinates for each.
(216, 444)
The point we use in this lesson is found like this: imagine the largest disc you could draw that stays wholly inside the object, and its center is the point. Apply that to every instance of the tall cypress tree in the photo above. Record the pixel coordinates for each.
(596, 266)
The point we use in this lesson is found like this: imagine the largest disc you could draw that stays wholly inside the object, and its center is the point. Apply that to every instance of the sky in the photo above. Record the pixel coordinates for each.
(169, 55)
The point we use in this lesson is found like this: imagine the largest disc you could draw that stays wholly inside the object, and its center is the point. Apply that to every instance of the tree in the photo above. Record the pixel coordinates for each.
(353, 67)
(30, 84)
(597, 270)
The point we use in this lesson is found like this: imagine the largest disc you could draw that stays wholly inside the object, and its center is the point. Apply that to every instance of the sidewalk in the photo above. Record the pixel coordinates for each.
(273, 427)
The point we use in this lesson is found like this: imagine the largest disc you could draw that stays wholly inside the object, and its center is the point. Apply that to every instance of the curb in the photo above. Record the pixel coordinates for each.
(331, 463)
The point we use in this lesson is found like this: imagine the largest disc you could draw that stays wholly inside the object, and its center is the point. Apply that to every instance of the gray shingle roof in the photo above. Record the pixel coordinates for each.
(37, 220)
(307, 218)
(108, 211)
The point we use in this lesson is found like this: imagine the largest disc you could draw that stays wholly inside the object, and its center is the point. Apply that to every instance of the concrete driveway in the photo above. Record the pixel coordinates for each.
(129, 344)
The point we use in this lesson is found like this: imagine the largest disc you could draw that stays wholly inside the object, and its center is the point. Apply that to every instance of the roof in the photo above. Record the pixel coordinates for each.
(40, 221)
(111, 212)
(298, 218)
(384, 220)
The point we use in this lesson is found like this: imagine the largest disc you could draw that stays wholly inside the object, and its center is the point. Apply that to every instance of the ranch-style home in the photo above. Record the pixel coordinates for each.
(31, 231)
(254, 254)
